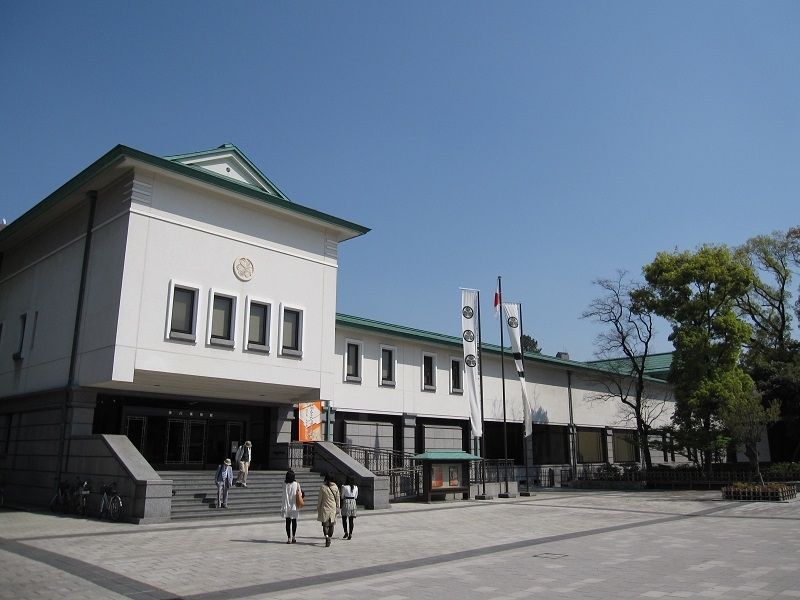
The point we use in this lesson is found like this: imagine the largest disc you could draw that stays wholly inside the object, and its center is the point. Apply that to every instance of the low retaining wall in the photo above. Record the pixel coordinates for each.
(373, 490)
(106, 458)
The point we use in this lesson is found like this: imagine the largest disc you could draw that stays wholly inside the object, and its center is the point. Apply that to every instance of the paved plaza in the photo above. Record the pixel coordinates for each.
(557, 544)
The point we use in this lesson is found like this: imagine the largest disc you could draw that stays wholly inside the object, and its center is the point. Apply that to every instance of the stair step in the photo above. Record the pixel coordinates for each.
(195, 494)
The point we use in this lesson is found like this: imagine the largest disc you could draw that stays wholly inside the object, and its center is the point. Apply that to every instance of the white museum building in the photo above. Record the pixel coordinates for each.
(183, 304)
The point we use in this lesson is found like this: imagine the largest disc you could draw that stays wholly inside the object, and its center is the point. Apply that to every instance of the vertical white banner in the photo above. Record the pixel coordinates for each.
(470, 334)
(511, 312)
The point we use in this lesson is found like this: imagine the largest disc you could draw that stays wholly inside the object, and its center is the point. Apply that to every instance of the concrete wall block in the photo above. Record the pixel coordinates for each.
(37, 431)
(35, 418)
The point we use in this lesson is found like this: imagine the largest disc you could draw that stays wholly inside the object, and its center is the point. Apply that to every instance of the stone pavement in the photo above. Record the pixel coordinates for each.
(557, 544)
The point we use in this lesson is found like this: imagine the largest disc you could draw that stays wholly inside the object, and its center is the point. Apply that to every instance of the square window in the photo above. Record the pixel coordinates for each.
(182, 323)
(222, 319)
(387, 366)
(455, 376)
(292, 332)
(428, 372)
(258, 323)
(353, 361)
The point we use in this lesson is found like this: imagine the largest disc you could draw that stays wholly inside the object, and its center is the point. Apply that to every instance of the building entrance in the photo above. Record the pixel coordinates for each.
(177, 442)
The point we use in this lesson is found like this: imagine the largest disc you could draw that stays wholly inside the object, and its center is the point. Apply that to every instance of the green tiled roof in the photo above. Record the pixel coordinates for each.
(120, 153)
(655, 365)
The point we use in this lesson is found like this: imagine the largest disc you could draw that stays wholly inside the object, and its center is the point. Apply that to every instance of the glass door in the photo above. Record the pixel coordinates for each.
(176, 434)
(235, 439)
(195, 443)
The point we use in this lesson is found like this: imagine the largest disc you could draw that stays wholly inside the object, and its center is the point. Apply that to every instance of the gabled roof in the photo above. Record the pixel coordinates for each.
(258, 190)
(230, 162)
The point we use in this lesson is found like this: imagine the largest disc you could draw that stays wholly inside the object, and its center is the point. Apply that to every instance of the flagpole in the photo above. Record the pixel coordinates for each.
(503, 377)
(483, 422)
(524, 416)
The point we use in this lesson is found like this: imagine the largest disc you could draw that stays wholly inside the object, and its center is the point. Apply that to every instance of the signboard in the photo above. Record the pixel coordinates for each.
(310, 421)
(445, 475)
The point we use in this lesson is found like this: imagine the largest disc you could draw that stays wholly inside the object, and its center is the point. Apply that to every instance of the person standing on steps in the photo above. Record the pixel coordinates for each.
(224, 481)
(243, 456)
(289, 510)
(328, 507)
(349, 496)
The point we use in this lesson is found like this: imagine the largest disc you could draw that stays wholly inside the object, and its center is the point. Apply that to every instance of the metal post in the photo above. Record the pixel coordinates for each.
(573, 432)
(503, 378)
(524, 416)
(483, 422)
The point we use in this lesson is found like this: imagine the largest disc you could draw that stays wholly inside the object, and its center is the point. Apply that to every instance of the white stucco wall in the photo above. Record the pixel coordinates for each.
(192, 235)
(547, 386)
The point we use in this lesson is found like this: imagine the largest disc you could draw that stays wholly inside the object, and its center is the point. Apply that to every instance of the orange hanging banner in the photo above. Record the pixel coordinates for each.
(310, 421)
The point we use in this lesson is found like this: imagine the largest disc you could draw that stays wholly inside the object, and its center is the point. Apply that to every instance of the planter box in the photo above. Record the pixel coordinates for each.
(758, 493)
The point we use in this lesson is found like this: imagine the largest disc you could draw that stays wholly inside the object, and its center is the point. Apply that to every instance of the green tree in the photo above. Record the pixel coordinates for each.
(529, 344)
(697, 293)
(767, 304)
(746, 418)
(773, 357)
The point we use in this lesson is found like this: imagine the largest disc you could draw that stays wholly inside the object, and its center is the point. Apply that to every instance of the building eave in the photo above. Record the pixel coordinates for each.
(116, 155)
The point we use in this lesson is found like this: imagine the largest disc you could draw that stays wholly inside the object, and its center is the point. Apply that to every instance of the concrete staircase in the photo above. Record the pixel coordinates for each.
(195, 493)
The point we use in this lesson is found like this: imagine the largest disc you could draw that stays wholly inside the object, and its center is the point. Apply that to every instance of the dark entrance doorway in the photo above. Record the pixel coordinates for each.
(177, 434)
(177, 442)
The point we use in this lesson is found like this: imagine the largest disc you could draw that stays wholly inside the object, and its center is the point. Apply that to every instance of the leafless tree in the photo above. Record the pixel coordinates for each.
(624, 346)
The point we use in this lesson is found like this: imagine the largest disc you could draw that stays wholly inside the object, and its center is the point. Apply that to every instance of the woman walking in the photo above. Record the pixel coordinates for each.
(349, 496)
(289, 510)
(328, 507)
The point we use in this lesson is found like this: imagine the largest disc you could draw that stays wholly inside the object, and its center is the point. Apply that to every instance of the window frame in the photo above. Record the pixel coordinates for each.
(253, 346)
(359, 345)
(24, 343)
(460, 389)
(291, 352)
(428, 387)
(625, 440)
(387, 382)
(583, 454)
(230, 341)
(179, 335)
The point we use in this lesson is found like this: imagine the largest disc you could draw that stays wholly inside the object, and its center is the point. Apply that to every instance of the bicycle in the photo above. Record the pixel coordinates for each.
(80, 496)
(60, 502)
(110, 503)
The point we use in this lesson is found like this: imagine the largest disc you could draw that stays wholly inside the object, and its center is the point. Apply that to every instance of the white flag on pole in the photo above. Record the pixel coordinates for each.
(513, 322)
(470, 334)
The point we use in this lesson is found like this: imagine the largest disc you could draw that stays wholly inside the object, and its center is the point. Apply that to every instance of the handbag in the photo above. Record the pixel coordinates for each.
(299, 500)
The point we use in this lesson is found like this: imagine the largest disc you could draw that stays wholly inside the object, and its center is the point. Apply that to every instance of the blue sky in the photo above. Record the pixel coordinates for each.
(551, 143)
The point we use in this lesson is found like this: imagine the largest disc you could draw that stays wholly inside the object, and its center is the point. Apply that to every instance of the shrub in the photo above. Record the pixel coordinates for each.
(784, 470)
(608, 471)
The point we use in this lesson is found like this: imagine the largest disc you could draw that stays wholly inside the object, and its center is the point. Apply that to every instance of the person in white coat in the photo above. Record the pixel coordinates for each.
(290, 511)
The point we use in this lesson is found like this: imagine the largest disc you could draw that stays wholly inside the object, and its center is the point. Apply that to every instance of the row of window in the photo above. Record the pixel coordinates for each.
(387, 367)
(551, 445)
(182, 322)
